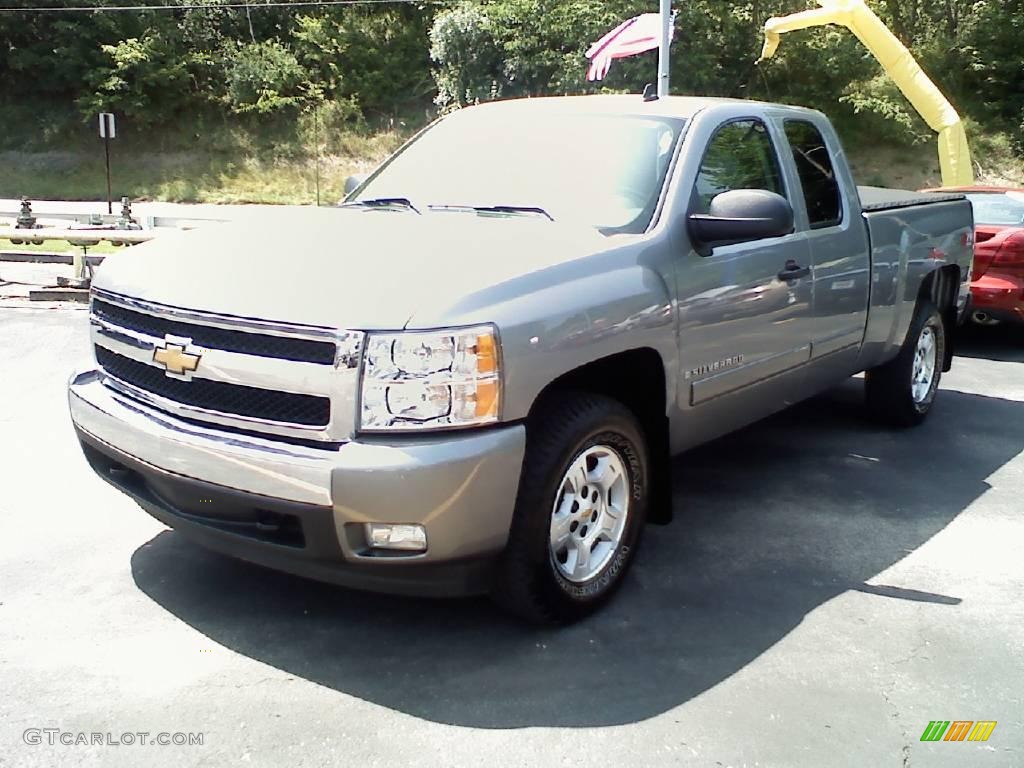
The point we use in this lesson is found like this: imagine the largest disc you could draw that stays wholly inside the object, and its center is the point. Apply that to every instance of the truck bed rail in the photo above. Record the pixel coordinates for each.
(884, 199)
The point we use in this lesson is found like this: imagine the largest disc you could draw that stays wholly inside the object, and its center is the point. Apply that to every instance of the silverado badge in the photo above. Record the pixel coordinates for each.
(718, 365)
(174, 356)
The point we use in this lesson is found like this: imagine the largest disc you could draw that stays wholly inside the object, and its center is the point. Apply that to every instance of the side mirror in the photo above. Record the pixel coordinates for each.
(741, 216)
(352, 183)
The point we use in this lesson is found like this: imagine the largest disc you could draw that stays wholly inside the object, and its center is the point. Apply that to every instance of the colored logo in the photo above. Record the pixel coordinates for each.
(174, 356)
(958, 730)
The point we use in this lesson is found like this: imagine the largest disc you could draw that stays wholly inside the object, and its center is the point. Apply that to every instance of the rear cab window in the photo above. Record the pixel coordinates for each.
(822, 196)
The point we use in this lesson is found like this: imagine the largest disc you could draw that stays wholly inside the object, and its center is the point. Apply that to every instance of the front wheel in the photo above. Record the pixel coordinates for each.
(581, 507)
(902, 392)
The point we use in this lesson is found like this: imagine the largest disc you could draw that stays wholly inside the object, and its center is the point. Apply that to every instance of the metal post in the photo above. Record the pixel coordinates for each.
(82, 276)
(106, 151)
(316, 149)
(79, 278)
(663, 49)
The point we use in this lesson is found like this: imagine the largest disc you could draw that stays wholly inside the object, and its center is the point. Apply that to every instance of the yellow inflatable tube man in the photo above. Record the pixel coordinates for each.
(899, 64)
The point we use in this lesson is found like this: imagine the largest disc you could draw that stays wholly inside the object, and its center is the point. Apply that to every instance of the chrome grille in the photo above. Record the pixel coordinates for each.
(253, 375)
(252, 402)
(231, 340)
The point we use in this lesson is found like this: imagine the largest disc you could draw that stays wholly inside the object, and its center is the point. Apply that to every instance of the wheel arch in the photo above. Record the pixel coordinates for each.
(637, 378)
(941, 287)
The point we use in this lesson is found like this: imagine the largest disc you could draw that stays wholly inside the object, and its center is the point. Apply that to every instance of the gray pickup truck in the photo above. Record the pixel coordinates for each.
(471, 375)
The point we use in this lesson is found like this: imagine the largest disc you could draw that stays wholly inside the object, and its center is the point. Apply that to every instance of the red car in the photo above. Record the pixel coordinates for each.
(997, 290)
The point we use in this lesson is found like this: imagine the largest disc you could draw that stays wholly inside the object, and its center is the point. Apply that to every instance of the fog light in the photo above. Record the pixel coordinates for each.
(408, 537)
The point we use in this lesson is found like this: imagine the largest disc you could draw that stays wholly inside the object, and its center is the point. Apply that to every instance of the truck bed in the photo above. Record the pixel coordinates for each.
(884, 199)
(910, 234)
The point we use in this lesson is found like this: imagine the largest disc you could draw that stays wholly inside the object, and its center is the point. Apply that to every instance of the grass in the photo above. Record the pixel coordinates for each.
(1000, 165)
(46, 153)
(54, 246)
(216, 160)
(194, 176)
(186, 176)
(917, 167)
(914, 167)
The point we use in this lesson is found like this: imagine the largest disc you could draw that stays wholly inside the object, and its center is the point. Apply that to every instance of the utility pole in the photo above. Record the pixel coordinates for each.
(106, 152)
(663, 49)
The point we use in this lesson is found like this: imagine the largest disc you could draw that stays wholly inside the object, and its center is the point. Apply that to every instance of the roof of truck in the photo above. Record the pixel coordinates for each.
(622, 104)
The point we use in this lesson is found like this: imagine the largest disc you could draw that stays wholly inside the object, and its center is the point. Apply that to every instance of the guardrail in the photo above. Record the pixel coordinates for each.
(27, 228)
(148, 222)
(80, 237)
(83, 239)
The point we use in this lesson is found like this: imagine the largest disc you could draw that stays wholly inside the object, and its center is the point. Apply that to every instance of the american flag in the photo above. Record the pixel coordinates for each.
(637, 35)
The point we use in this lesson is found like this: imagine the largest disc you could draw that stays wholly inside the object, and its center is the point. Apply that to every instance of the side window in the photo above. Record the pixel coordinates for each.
(740, 156)
(817, 174)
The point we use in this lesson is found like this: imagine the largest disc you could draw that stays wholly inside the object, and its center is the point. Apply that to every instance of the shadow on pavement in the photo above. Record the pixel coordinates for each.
(1004, 343)
(770, 523)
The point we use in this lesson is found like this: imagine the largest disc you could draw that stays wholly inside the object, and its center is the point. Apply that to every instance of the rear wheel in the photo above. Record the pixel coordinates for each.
(581, 506)
(902, 392)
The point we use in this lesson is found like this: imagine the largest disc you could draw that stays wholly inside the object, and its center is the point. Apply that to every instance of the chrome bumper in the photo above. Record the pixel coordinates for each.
(461, 487)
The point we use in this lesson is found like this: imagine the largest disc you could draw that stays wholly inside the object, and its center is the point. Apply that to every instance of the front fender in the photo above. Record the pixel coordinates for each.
(568, 325)
(554, 321)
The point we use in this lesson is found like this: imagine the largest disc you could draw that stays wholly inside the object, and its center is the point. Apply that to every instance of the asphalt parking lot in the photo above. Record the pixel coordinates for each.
(827, 589)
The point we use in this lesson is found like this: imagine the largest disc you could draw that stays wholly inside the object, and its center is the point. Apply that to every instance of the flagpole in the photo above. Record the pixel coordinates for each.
(663, 49)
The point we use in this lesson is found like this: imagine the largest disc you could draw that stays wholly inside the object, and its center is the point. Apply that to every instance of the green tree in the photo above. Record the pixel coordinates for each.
(263, 77)
(144, 79)
(392, 60)
(377, 58)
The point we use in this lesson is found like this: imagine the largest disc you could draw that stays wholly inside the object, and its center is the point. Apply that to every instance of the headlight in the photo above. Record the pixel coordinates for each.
(430, 379)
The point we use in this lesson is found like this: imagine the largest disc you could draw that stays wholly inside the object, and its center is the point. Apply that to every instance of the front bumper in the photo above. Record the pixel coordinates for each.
(302, 509)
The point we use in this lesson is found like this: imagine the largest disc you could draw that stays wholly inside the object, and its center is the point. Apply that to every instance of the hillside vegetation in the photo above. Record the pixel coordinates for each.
(236, 104)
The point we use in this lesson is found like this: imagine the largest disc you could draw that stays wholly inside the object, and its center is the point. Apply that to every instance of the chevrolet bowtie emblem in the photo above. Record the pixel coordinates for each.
(176, 360)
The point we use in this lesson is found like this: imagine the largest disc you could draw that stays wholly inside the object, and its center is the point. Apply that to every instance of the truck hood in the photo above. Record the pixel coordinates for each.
(346, 268)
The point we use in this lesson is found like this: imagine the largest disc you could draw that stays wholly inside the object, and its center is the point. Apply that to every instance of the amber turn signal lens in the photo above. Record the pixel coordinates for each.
(486, 354)
(486, 399)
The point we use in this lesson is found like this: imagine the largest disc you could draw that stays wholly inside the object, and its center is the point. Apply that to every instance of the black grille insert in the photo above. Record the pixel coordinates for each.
(246, 342)
(235, 399)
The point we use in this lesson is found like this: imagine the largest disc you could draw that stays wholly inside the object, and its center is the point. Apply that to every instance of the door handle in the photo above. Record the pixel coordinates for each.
(793, 271)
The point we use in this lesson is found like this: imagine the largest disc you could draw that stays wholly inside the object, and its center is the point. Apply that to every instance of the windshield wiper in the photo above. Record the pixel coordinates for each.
(498, 209)
(383, 202)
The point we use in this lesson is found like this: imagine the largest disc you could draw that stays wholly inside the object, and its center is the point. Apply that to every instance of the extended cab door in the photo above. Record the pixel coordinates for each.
(839, 248)
(745, 309)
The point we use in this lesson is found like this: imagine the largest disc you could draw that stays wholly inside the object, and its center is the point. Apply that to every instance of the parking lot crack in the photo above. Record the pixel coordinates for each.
(895, 715)
(913, 652)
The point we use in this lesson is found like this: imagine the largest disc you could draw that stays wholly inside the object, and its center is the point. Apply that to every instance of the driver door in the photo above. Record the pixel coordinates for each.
(744, 310)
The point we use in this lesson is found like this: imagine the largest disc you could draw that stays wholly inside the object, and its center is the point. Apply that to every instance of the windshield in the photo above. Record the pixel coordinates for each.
(606, 171)
(998, 209)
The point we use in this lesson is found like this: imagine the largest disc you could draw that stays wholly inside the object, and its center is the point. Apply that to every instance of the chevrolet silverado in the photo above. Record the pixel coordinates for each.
(471, 375)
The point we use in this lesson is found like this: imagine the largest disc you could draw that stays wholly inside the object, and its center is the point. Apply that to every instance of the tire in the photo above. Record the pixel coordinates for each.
(545, 583)
(901, 393)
